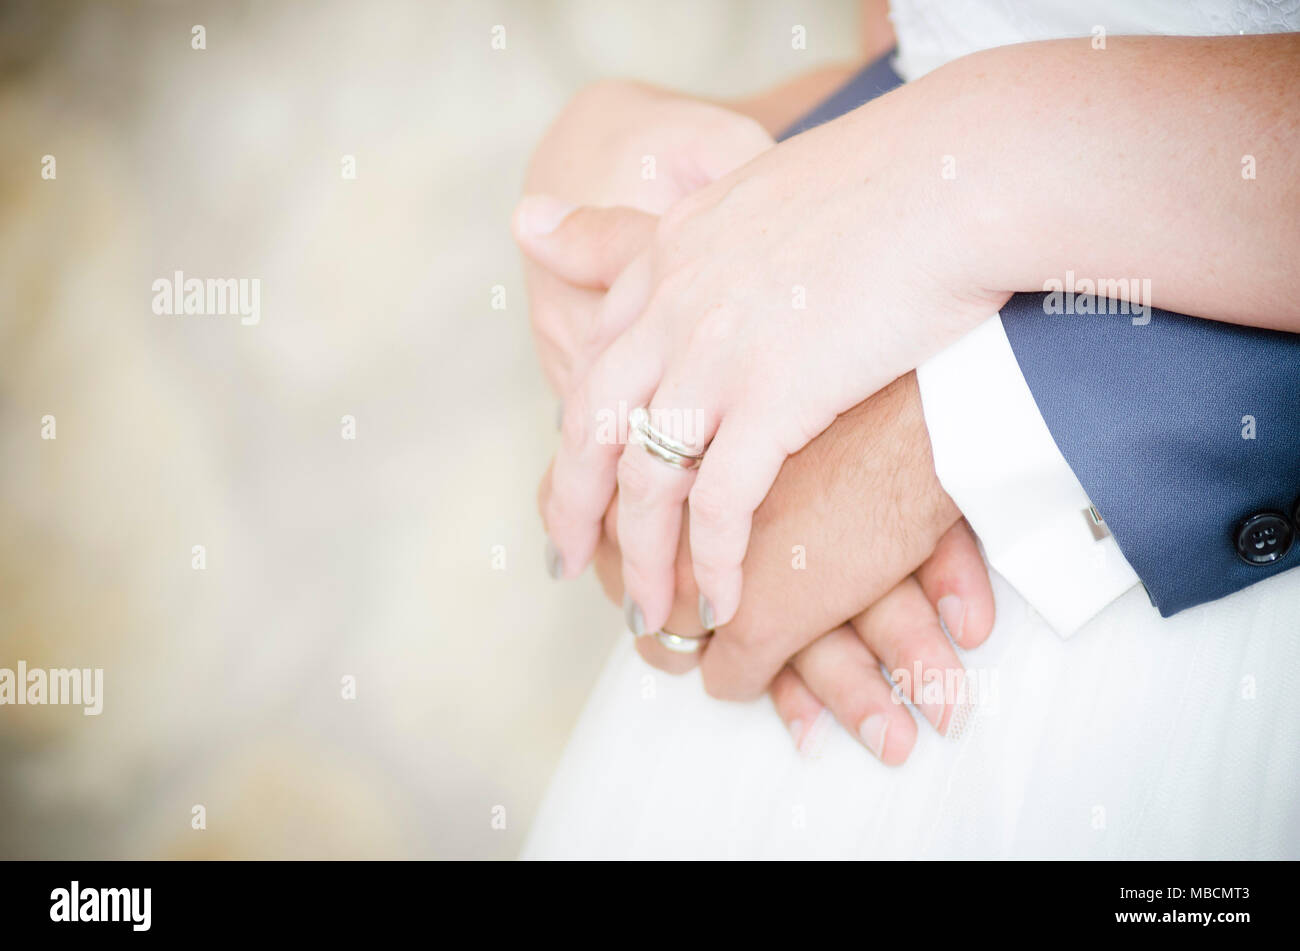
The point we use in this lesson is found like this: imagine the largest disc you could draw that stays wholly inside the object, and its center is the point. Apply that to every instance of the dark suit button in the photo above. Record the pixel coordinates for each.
(1264, 538)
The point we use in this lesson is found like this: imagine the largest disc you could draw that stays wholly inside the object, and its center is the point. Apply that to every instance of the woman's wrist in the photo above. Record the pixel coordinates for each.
(908, 154)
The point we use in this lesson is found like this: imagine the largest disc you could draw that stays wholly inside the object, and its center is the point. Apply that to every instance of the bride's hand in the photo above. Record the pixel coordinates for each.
(770, 301)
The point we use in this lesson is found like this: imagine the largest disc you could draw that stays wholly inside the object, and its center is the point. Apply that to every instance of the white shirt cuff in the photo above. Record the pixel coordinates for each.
(996, 457)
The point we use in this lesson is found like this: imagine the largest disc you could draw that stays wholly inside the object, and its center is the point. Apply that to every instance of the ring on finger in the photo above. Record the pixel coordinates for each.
(661, 445)
(680, 643)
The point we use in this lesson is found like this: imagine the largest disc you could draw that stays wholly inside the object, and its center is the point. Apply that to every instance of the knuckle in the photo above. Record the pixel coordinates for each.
(711, 512)
(720, 687)
(573, 424)
(719, 322)
(636, 484)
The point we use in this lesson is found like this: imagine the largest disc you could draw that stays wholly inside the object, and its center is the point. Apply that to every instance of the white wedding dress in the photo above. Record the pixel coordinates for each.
(1136, 737)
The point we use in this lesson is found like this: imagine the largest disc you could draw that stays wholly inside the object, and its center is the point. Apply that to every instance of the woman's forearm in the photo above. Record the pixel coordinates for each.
(1173, 160)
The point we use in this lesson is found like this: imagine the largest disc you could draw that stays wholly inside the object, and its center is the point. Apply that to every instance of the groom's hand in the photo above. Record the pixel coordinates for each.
(850, 517)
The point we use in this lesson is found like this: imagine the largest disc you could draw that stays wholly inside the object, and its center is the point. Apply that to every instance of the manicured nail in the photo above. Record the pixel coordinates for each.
(542, 214)
(933, 711)
(554, 561)
(952, 616)
(796, 732)
(632, 614)
(872, 731)
(706, 613)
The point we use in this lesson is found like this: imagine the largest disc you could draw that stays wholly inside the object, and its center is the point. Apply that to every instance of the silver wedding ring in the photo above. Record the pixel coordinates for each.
(680, 644)
(662, 446)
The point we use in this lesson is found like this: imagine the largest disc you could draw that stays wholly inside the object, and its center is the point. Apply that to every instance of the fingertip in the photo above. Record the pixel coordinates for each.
(980, 614)
(956, 581)
(899, 736)
(568, 552)
(537, 216)
(718, 607)
(952, 611)
(653, 601)
(800, 711)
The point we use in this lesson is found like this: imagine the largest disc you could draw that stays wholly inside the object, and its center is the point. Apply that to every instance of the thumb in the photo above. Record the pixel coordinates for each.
(586, 246)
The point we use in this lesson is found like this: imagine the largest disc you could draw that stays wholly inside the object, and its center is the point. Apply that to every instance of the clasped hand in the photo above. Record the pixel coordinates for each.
(860, 502)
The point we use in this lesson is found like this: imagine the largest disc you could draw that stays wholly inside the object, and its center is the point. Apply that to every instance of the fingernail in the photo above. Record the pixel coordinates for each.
(952, 616)
(796, 732)
(542, 214)
(811, 743)
(632, 614)
(706, 613)
(934, 713)
(872, 731)
(554, 561)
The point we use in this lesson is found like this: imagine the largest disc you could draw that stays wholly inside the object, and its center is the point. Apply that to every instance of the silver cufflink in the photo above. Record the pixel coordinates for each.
(1096, 524)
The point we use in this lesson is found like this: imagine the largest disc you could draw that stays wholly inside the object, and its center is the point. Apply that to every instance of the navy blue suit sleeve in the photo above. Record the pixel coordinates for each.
(1180, 429)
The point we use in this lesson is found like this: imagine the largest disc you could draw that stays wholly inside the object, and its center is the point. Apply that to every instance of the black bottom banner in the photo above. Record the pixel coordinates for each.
(1222, 901)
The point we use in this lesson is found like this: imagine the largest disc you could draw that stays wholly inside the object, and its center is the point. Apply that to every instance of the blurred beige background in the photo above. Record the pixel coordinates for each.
(325, 557)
